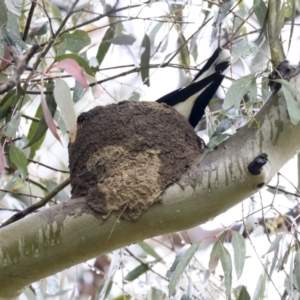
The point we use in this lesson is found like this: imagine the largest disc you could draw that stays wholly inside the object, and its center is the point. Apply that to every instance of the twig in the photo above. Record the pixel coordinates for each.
(19, 194)
(28, 22)
(48, 167)
(20, 215)
(282, 190)
(20, 67)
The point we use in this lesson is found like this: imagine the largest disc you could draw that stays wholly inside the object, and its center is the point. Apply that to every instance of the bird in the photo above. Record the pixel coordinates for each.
(191, 101)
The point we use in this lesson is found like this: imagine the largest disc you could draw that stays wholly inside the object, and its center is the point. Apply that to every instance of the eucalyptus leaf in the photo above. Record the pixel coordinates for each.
(227, 268)
(260, 10)
(12, 125)
(3, 13)
(215, 253)
(239, 248)
(136, 272)
(180, 268)
(63, 98)
(124, 39)
(260, 288)
(145, 60)
(244, 295)
(275, 244)
(237, 91)
(73, 42)
(149, 250)
(80, 60)
(105, 44)
(293, 106)
(297, 268)
(19, 159)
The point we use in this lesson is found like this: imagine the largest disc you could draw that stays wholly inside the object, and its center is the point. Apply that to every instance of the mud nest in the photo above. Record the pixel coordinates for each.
(127, 154)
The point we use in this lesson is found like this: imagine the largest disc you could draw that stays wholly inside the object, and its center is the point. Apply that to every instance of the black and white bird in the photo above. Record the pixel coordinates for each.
(192, 100)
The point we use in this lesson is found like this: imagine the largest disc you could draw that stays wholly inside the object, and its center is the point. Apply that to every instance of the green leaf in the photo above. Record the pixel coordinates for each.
(136, 272)
(260, 288)
(297, 267)
(124, 39)
(180, 268)
(134, 97)
(78, 92)
(81, 61)
(145, 60)
(63, 98)
(108, 289)
(3, 13)
(293, 106)
(281, 263)
(156, 294)
(239, 248)
(177, 259)
(62, 196)
(38, 130)
(216, 140)
(19, 159)
(253, 91)
(12, 126)
(291, 15)
(260, 11)
(14, 37)
(273, 263)
(227, 268)
(287, 85)
(275, 244)
(244, 295)
(184, 53)
(214, 254)
(149, 250)
(14, 6)
(73, 42)
(154, 31)
(6, 103)
(105, 44)
(237, 91)
(39, 27)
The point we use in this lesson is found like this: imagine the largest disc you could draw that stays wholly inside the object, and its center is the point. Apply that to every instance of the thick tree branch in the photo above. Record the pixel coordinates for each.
(69, 233)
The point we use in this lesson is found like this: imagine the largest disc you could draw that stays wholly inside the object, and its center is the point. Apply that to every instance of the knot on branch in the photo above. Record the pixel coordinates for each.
(255, 167)
(284, 70)
(127, 154)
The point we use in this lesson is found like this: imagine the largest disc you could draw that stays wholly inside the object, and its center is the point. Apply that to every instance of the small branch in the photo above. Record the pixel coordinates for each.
(283, 190)
(19, 194)
(46, 166)
(28, 22)
(100, 17)
(20, 67)
(20, 215)
(277, 53)
(36, 184)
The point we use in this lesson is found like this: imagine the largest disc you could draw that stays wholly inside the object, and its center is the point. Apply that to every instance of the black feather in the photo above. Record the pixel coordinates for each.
(183, 94)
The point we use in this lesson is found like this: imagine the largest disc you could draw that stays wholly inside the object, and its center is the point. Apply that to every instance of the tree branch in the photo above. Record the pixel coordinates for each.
(69, 233)
(21, 64)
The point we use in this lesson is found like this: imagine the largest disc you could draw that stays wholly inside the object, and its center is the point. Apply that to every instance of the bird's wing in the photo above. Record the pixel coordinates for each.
(183, 94)
(203, 99)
